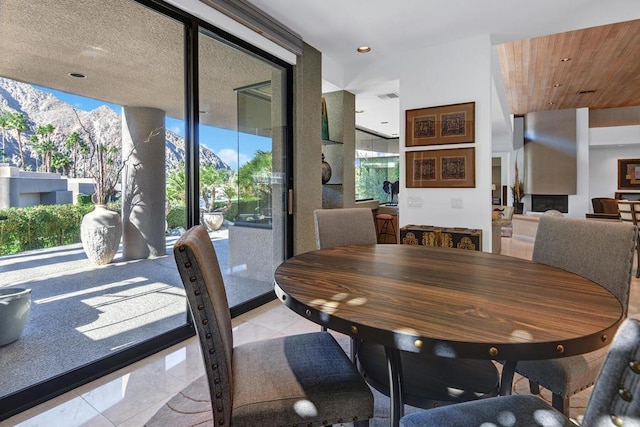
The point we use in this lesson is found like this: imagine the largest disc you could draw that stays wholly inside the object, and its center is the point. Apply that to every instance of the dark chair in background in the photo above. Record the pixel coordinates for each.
(604, 205)
(601, 251)
(302, 379)
(427, 381)
(604, 208)
(613, 401)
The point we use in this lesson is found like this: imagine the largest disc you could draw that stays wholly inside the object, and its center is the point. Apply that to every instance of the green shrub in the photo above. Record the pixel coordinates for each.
(41, 226)
(177, 217)
(83, 199)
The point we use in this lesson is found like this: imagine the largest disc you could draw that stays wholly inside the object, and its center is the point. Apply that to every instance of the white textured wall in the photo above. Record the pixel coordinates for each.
(603, 169)
(448, 74)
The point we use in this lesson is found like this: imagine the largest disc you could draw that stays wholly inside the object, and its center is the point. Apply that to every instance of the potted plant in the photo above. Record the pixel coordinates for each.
(517, 191)
(101, 229)
(214, 183)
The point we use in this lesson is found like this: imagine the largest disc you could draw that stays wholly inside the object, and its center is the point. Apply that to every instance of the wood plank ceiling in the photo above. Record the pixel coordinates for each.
(596, 68)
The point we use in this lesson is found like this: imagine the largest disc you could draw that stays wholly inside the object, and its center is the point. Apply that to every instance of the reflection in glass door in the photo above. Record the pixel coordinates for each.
(241, 166)
(112, 74)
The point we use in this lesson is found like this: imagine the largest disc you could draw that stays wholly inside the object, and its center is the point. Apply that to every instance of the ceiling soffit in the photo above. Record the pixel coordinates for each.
(130, 54)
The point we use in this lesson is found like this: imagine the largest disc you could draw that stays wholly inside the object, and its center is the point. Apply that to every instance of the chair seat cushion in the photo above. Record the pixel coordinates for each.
(514, 410)
(289, 380)
(565, 376)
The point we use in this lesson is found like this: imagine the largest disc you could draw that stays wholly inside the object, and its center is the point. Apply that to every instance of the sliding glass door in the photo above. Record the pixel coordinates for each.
(241, 173)
(111, 82)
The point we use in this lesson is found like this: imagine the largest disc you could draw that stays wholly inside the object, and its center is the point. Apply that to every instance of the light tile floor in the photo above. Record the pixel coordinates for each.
(130, 396)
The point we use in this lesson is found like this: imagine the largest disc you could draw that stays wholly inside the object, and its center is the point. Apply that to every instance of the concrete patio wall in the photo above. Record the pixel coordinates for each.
(19, 189)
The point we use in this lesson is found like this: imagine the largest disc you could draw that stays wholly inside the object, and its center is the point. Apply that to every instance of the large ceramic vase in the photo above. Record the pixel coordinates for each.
(213, 220)
(100, 231)
(15, 305)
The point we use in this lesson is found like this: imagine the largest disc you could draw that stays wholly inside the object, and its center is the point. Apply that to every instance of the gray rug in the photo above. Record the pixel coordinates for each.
(192, 407)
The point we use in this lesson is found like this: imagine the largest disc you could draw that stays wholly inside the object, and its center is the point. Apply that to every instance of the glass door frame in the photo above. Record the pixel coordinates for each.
(24, 399)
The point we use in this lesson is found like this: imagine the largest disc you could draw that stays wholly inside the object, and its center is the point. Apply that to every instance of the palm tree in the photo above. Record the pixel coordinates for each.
(75, 143)
(18, 122)
(176, 187)
(211, 180)
(61, 162)
(34, 142)
(48, 147)
(4, 125)
(46, 144)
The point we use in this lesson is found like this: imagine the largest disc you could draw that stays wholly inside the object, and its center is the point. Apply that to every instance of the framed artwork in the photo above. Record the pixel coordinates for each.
(628, 174)
(448, 168)
(447, 124)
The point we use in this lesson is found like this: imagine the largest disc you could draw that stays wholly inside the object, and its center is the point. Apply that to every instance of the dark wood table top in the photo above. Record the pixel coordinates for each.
(450, 302)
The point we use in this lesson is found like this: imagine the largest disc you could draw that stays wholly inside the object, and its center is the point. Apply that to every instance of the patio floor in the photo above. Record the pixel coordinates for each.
(96, 311)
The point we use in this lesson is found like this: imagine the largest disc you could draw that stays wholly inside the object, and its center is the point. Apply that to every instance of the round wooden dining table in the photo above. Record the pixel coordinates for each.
(449, 303)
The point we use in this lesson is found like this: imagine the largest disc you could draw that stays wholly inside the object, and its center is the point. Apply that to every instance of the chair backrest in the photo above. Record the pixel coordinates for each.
(615, 393)
(343, 227)
(629, 211)
(601, 251)
(604, 205)
(203, 284)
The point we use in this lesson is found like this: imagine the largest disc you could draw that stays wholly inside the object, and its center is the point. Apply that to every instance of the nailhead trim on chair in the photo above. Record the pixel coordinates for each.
(625, 394)
(197, 315)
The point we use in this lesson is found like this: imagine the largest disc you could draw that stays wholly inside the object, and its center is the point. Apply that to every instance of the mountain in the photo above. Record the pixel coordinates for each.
(42, 108)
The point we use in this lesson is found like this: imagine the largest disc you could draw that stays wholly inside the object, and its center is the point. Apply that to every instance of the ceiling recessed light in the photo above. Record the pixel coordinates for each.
(77, 75)
(565, 59)
(364, 49)
(359, 111)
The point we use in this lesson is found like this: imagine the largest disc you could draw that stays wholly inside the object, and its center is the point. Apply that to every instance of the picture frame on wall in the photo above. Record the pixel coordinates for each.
(445, 168)
(628, 174)
(446, 124)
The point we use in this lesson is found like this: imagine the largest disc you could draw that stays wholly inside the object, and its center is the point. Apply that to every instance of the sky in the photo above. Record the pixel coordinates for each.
(224, 143)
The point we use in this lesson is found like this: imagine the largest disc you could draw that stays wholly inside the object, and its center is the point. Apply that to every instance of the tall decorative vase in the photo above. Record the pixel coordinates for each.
(325, 121)
(100, 231)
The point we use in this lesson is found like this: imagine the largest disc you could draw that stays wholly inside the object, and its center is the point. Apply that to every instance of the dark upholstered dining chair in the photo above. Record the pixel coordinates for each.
(602, 252)
(604, 205)
(428, 381)
(614, 401)
(629, 211)
(301, 380)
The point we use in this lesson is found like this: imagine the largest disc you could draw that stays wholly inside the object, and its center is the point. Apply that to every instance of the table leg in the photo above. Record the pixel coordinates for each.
(395, 385)
(506, 379)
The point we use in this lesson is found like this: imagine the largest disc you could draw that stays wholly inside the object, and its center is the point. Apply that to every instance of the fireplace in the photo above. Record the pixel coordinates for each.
(543, 203)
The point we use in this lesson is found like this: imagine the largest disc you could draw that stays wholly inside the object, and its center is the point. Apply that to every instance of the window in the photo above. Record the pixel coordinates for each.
(377, 163)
